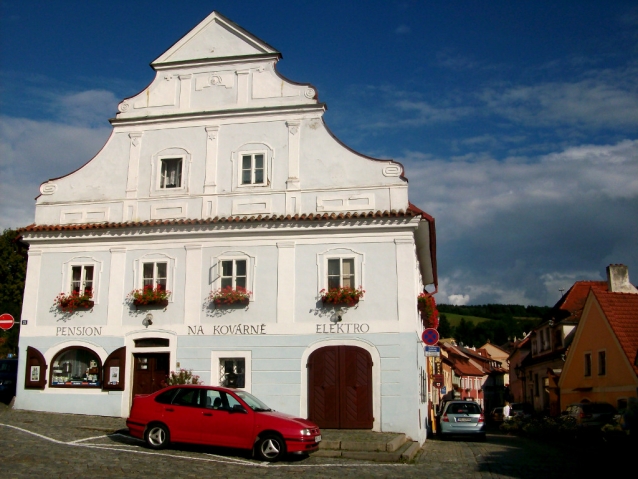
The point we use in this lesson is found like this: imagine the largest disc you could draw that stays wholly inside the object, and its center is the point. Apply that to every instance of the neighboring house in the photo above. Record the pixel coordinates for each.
(521, 349)
(499, 354)
(222, 174)
(467, 376)
(602, 364)
(538, 371)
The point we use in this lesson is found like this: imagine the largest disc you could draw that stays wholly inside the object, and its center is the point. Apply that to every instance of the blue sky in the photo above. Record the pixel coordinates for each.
(517, 122)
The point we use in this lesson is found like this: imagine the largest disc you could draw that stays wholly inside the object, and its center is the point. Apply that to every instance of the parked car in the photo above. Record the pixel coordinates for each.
(219, 416)
(462, 418)
(497, 414)
(592, 415)
(521, 409)
(8, 378)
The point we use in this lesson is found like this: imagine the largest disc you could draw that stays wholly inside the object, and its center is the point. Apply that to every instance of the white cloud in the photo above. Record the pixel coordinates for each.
(32, 151)
(458, 299)
(505, 228)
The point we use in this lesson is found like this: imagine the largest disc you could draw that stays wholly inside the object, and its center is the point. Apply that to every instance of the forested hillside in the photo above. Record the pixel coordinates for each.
(474, 325)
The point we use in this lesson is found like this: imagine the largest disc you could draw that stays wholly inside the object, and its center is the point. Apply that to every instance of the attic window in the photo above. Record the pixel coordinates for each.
(171, 174)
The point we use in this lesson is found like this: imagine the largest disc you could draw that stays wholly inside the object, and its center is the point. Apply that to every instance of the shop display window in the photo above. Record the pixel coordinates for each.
(76, 367)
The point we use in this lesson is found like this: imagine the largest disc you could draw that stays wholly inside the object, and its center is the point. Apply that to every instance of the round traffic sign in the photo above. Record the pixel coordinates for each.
(6, 321)
(430, 336)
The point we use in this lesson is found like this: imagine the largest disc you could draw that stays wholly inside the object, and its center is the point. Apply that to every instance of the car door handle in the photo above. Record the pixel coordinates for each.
(169, 409)
(207, 413)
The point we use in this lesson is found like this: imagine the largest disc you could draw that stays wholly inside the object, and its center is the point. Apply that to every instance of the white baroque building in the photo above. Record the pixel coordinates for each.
(222, 173)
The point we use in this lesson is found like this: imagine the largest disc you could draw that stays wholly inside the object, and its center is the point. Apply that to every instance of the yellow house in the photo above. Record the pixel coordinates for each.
(602, 363)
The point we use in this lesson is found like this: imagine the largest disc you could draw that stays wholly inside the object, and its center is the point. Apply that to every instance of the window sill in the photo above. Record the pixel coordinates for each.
(81, 307)
(161, 303)
(220, 303)
(352, 302)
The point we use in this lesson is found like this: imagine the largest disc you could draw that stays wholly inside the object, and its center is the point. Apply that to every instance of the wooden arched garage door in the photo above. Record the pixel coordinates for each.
(340, 388)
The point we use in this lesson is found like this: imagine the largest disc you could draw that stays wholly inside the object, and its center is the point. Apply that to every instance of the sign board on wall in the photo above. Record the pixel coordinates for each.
(432, 351)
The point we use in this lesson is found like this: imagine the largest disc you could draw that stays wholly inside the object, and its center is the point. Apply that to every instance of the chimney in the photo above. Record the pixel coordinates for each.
(618, 279)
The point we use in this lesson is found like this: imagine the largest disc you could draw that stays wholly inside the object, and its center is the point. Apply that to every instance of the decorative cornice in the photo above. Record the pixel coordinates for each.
(312, 217)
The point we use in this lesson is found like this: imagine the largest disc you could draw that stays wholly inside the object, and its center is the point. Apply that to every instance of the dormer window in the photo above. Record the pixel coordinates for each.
(171, 173)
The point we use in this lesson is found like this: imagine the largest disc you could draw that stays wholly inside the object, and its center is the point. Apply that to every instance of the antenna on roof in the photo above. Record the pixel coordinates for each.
(561, 291)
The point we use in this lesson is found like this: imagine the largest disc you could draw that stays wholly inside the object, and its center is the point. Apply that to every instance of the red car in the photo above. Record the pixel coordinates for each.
(218, 416)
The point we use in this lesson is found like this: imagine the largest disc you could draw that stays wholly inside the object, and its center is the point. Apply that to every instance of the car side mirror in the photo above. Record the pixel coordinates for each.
(238, 408)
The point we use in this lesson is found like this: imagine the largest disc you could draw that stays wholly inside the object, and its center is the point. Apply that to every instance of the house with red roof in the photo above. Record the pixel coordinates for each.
(538, 362)
(602, 364)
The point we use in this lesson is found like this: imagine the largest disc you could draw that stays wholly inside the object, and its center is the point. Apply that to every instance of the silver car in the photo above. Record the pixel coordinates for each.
(462, 418)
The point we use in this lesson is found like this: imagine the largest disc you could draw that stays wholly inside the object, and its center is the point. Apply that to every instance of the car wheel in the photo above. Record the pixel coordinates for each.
(157, 436)
(270, 447)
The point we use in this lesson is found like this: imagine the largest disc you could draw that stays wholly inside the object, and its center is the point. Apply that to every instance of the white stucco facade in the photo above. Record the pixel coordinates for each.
(257, 178)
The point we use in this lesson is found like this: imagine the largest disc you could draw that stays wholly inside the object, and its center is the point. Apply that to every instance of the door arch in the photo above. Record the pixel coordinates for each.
(340, 392)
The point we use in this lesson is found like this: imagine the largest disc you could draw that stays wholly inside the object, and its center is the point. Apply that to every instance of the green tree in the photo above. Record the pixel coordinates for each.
(13, 270)
(445, 328)
(464, 332)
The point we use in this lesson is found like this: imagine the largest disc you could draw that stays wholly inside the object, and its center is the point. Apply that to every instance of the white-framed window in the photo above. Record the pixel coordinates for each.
(234, 273)
(235, 269)
(155, 274)
(154, 270)
(171, 172)
(232, 369)
(253, 168)
(80, 274)
(82, 278)
(252, 165)
(340, 267)
(602, 363)
(341, 273)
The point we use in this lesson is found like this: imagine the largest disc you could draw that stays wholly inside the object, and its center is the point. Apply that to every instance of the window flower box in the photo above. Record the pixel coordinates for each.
(344, 296)
(229, 296)
(427, 308)
(74, 301)
(149, 296)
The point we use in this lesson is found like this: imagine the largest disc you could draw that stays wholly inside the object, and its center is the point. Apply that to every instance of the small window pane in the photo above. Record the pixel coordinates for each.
(241, 267)
(259, 162)
(226, 282)
(148, 270)
(333, 282)
(227, 268)
(348, 267)
(76, 282)
(246, 162)
(333, 267)
(259, 176)
(241, 282)
(161, 270)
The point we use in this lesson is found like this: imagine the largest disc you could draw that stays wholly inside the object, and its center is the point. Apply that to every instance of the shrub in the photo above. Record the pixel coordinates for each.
(181, 377)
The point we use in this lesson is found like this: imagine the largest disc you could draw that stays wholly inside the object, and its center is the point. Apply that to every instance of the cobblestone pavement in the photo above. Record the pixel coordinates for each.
(71, 446)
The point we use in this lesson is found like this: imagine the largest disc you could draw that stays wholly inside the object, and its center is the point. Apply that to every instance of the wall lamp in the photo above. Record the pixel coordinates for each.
(148, 320)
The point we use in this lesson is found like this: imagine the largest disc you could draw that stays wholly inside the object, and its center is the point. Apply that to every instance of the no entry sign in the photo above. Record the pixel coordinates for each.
(6, 321)
(430, 336)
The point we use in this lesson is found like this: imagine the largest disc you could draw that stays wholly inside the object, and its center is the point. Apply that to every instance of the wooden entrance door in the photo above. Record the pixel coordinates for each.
(340, 388)
(150, 370)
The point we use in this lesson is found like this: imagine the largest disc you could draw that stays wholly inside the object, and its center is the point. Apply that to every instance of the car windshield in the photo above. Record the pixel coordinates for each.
(254, 403)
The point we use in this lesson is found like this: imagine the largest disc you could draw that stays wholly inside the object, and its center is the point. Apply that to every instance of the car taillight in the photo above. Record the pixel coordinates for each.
(444, 418)
(481, 418)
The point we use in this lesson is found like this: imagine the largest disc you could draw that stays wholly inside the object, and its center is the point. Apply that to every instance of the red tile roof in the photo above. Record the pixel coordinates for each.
(410, 212)
(621, 310)
(574, 300)
(464, 368)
